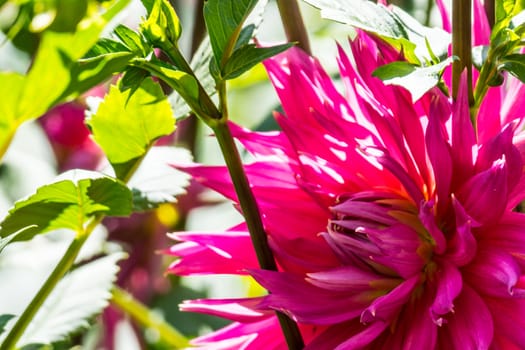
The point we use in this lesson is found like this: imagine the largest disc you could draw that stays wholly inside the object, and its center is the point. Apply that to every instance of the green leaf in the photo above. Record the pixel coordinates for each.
(140, 119)
(391, 24)
(515, 65)
(68, 203)
(200, 67)
(3, 321)
(156, 182)
(416, 80)
(224, 20)
(132, 40)
(82, 294)
(90, 72)
(248, 56)
(162, 26)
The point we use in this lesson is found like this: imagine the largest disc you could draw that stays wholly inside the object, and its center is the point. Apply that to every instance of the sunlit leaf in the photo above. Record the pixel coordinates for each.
(248, 56)
(392, 24)
(83, 293)
(3, 321)
(515, 65)
(417, 80)
(67, 204)
(140, 119)
(156, 182)
(224, 20)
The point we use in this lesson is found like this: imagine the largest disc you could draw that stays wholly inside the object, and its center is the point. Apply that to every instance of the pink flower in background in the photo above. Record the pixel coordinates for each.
(393, 223)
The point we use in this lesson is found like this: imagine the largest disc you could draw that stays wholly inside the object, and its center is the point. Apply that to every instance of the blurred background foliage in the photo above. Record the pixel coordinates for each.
(59, 140)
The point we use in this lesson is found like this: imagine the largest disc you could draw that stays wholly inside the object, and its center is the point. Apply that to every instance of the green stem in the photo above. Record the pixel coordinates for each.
(217, 121)
(428, 11)
(147, 318)
(490, 10)
(293, 24)
(462, 45)
(252, 216)
(63, 266)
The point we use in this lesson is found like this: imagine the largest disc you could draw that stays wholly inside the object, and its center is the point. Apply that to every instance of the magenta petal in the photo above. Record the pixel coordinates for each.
(343, 306)
(427, 217)
(484, 196)
(449, 284)
(439, 152)
(239, 310)
(463, 135)
(362, 339)
(351, 279)
(206, 253)
(495, 273)
(385, 307)
(470, 327)
(508, 319)
(462, 246)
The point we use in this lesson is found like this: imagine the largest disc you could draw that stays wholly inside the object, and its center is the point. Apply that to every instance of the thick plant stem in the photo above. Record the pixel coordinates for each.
(293, 24)
(63, 266)
(462, 45)
(148, 319)
(252, 216)
(490, 10)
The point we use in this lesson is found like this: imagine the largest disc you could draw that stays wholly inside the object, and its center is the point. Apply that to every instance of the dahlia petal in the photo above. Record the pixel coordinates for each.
(397, 170)
(449, 284)
(484, 196)
(427, 217)
(508, 319)
(463, 135)
(498, 146)
(262, 143)
(462, 245)
(508, 235)
(385, 307)
(470, 327)
(246, 336)
(363, 338)
(481, 28)
(238, 310)
(489, 117)
(494, 273)
(206, 253)
(350, 278)
(445, 16)
(513, 102)
(342, 306)
(439, 153)
(413, 328)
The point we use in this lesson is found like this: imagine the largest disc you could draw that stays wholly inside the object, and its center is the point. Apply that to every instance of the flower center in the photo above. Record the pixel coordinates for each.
(381, 231)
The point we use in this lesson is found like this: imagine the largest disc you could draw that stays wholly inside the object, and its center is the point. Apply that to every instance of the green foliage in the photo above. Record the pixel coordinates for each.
(418, 43)
(82, 294)
(4, 319)
(515, 65)
(503, 52)
(224, 20)
(162, 27)
(55, 74)
(67, 204)
(140, 119)
(156, 182)
(248, 56)
(417, 80)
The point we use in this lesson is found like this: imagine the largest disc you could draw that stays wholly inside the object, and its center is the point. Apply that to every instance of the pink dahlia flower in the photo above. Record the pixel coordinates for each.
(392, 223)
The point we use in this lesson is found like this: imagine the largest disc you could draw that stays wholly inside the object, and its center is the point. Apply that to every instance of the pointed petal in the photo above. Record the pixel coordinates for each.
(484, 196)
(387, 306)
(470, 327)
(449, 285)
